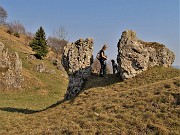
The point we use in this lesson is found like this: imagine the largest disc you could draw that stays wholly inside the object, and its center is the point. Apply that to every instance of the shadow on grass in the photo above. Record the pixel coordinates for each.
(91, 82)
(18, 110)
(95, 81)
(29, 111)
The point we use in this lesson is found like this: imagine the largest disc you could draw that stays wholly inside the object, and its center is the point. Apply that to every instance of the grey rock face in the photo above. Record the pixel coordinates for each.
(76, 60)
(135, 56)
(10, 69)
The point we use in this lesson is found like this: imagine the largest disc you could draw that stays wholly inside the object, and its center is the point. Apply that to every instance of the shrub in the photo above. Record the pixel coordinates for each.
(16, 26)
(167, 86)
(10, 31)
(56, 44)
(17, 34)
(55, 62)
(177, 83)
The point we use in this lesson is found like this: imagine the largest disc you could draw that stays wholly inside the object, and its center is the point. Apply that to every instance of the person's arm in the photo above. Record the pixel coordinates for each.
(102, 54)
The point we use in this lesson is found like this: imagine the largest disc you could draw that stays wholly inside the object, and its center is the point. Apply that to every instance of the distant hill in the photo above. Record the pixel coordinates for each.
(146, 104)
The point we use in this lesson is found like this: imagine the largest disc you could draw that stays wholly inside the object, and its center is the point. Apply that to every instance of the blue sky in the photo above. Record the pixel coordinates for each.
(103, 20)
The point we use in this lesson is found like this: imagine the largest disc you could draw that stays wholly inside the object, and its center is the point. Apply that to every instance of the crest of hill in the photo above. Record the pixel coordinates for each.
(21, 44)
(14, 43)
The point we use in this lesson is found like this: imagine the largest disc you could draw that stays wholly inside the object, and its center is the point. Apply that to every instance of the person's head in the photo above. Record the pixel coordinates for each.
(104, 47)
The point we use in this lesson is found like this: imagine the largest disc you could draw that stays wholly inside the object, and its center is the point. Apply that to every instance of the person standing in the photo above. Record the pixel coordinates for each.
(102, 60)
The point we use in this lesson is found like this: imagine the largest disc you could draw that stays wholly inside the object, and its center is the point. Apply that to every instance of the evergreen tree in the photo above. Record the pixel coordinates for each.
(39, 43)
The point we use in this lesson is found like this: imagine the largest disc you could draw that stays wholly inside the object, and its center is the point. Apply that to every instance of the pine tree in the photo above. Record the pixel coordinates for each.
(39, 43)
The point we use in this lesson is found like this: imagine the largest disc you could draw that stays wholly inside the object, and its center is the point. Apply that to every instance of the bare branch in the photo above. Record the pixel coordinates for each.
(61, 33)
(3, 15)
(56, 44)
(16, 26)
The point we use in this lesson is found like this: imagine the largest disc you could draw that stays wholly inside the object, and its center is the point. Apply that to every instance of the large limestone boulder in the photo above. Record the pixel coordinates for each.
(76, 60)
(10, 69)
(135, 56)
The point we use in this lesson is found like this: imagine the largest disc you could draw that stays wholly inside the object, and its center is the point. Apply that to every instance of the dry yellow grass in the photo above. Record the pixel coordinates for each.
(14, 43)
(116, 108)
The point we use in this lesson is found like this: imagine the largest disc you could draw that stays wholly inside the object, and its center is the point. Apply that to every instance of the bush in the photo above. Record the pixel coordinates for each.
(38, 56)
(17, 34)
(55, 62)
(167, 86)
(16, 26)
(10, 31)
(177, 83)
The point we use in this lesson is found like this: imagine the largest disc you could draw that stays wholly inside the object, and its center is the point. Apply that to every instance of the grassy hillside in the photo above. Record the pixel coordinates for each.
(39, 89)
(146, 104)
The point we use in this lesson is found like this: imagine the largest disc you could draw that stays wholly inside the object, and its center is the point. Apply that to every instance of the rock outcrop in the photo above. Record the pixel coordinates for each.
(76, 60)
(10, 69)
(135, 56)
(42, 68)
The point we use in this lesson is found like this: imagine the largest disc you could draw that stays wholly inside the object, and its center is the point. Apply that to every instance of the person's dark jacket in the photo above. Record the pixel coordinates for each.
(102, 58)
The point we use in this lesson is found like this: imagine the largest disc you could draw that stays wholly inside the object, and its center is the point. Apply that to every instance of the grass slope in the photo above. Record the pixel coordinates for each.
(39, 90)
(142, 105)
(146, 104)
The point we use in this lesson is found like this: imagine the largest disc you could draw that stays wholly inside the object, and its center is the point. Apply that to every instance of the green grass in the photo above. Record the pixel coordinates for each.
(38, 91)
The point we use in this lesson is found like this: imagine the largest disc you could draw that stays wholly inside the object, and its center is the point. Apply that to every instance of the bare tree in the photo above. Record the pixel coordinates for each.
(109, 67)
(17, 27)
(3, 15)
(96, 66)
(60, 33)
(56, 44)
(29, 37)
